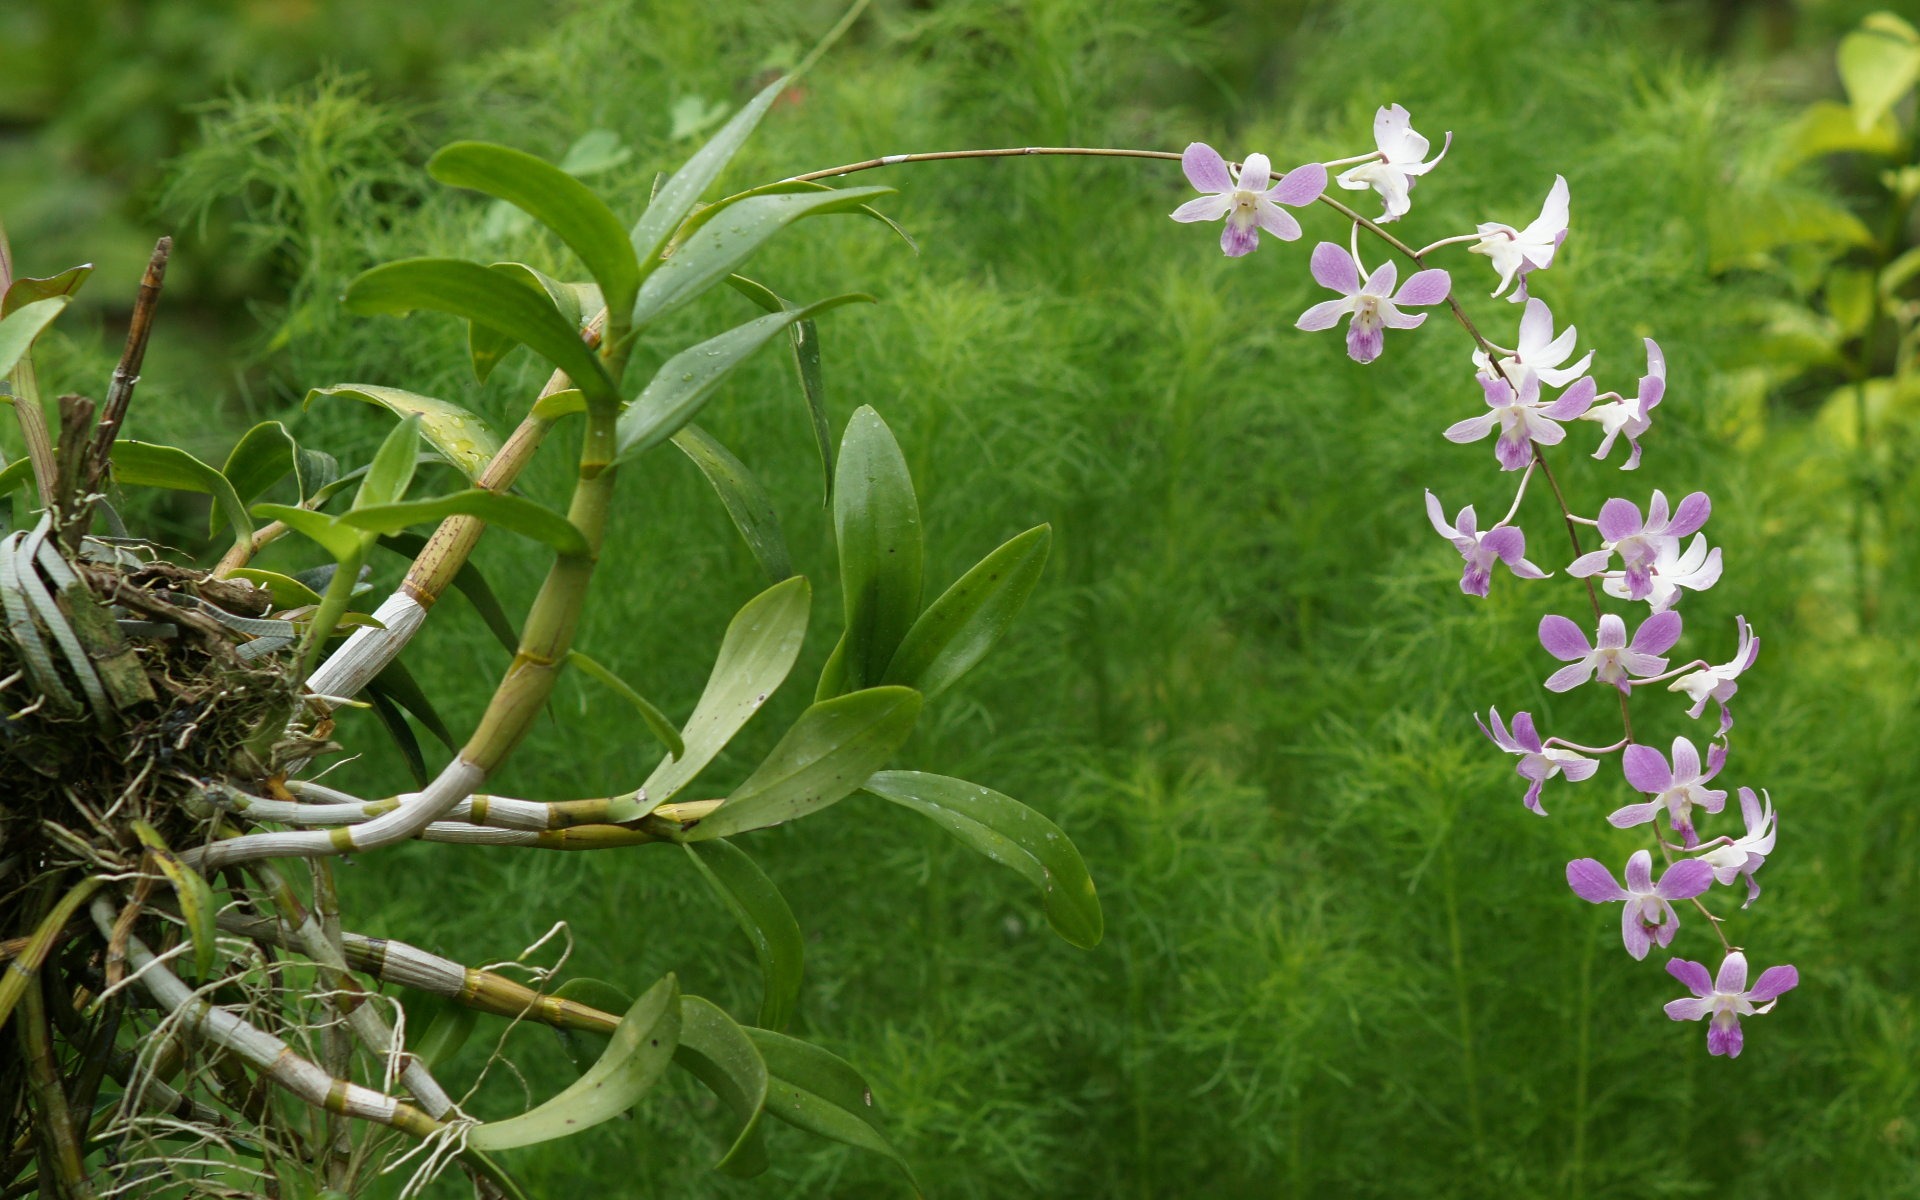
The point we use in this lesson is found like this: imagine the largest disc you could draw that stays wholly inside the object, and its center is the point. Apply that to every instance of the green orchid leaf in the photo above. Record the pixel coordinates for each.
(341, 541)
(638, 1053)
(554, 198)
(565, 403)
(825, 757)
(523, 517)
(655, 720)
(728, 239)
(461, 436)
(787, 187)
(489, 346)
(583, 1047)
(960, 627)
(445, 1028)
(287, 592)
(758, 650)
(395, 723)
(876, 520)
(469, 582)
(391, 471)
(403, 689)
(485, 296)
(820, 1092)
(197, 905)
(744, 497)
(24, 324)
(718, 1052)
(144, 464)
(1009, 833)
(262, 457)
(684, 382)
(674, 199)
(1879, 63)
(804, 337)
(27, 289)
(764, 917)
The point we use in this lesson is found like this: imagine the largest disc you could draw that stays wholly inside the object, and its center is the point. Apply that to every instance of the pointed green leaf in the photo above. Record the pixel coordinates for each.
(718, 1052)
(820, 1092)
(144, 464)
(27, 289)
(641, 1048)
(684, 383)
(764, 917)
(489, 346)
(262, 457)
(469, 582)
(804, 338)
(960, 627)
(876, 520)
(341, 541)
(729, 239)
(472, 291)
(674, 199)
(566, 403)
(1009, 833)
(555, 199)
(758, 650)
(655, 720)
(786, 187)
(462, 437)
(1879, 63)
(395, 723)
(287, 592)
(445, 1028)
(391, 471)
(19, 328)
(523, 517)
(744, 497)
(827, 754)
(399, 684)
(583, 1047)
(197, 907)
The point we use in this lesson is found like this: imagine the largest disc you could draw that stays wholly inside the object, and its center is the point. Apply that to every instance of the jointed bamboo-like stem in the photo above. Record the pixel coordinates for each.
(61, 1159)
(262, 1050)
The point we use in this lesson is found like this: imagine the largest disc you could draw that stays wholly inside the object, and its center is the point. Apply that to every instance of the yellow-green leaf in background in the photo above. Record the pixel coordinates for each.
(462, 437)
(196, 898)
(1879, 63)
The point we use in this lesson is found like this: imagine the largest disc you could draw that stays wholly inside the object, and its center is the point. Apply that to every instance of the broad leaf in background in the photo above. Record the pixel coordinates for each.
(262, 457)
(398, 684)
(144, 464)
(28, 289)
(960, 627)
(584, 1047)
(286, 591)
(462, 437)
(1009, 833)
(758, 650)
(24, 324)
(489, 346)
(820, 1092)
(441, 1026)
(744, 497)
(717, 1051)
(804, 337)
(635, 1057)
(827, 754)
(1879, 62)
(876, 521)
(679, 194)
(655, 720)
(523, 517)
(764, 917)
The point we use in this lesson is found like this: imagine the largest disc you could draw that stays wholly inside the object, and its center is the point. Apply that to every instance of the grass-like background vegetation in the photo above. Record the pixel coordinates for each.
(1341, 958)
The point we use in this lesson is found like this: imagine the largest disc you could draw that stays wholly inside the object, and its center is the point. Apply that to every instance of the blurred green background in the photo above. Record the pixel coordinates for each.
(1340, 957)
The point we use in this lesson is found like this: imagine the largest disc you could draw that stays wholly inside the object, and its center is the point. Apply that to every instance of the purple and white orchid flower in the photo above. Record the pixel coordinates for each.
(1515, 252)
(1639, 542)
(1523, 421)
(1539, 352)
(1247, 202)
(1678, 790)
(1395, 165)
(1746, 854)
(1648, 916)
(1610, 658)
(1727, 998)
(1374, 304)
(1697, 569)
(1538, 762)
(1504, 543)
(1632, 417)
(1721, 682)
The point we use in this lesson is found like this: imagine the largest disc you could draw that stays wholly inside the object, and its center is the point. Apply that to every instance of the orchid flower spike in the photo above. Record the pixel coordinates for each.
(1504, 543)
(1247, 202)
(1677, 790)
(1539, 352)
(1395, 165)
(1632, 417)
(1523, 421)
(1747, 854)
(1374, 304)
(1538, 763)
(1611, 659)
(1515, 252)
(1649, 549)
(1720, 683)
(1648, 916)
(1726, 999)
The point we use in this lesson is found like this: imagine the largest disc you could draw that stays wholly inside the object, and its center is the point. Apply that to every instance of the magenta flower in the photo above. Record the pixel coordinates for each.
(1515, 252)
(1395, 165)
(1648, 916)
(1374, 304)
(1610, 658)
(1505, 543)
(1727, 999)
(1247, 203)
(1632, 417)
(1523, 421)
(1747, 854)
(1719, 683)
(1641, 543)
(1677, 790)
(1538, 762)
(1539, 352)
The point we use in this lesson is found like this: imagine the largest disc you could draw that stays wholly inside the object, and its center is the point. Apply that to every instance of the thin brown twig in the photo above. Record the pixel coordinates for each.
(127, 373)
